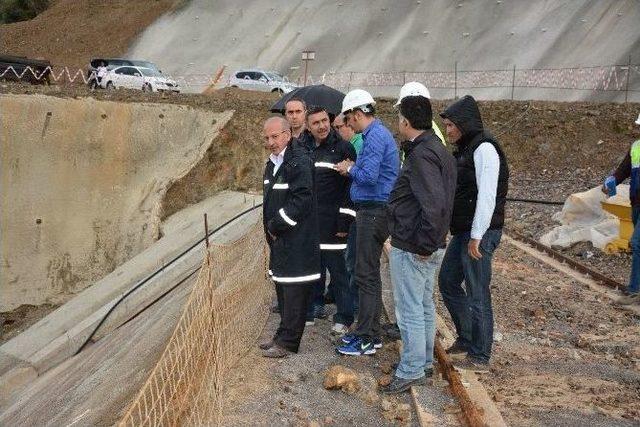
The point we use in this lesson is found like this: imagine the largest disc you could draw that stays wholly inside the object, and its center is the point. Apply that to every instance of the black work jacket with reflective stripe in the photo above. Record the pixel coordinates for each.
(289, 214)
(335, 209)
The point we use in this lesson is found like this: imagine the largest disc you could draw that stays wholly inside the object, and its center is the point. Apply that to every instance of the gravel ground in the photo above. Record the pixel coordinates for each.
(566, 355)
(289, 392)
(534, 220)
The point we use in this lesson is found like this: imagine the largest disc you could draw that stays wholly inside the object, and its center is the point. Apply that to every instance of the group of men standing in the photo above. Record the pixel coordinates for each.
(333, 195)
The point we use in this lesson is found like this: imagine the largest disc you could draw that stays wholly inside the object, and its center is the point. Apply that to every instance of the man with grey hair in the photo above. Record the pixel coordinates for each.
(290, 225)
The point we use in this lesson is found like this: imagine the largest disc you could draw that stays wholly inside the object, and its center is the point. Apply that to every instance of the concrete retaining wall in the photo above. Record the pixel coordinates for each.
(82, 183)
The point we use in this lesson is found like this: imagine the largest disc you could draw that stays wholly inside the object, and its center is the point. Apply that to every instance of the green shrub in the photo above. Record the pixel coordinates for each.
(21, 10)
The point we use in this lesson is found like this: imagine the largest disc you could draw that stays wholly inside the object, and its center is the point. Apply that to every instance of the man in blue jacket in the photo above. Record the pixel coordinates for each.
(373, 177)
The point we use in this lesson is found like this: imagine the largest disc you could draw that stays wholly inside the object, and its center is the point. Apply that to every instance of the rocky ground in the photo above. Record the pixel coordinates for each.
(564, 354)
(317, 387)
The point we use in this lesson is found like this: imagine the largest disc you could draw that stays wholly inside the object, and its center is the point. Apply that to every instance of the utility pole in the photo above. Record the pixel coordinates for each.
(455, 80)
(307, 55)
(626, 90)
(513, 81)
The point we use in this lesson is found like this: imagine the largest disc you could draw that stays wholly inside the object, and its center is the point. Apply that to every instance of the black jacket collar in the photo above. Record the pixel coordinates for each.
(408, 146)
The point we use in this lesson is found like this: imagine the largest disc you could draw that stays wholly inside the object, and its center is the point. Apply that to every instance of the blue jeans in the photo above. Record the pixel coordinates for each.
(634, 280)
(350, 261)
(413, 281)
(470, 311)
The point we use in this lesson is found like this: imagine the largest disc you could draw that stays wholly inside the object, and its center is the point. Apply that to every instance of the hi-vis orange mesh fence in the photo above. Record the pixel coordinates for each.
(222, 317)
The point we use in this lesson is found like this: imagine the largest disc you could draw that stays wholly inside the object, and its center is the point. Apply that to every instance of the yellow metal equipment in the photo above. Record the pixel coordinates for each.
(623, 212)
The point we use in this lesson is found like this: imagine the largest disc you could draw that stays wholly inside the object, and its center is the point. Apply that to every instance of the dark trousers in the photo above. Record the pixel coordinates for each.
(470, 307)
(293, 299)
(371, 233)
(333, 261)
(350, 263)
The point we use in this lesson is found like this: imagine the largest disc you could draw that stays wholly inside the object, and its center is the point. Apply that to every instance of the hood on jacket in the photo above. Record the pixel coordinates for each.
(465, 114)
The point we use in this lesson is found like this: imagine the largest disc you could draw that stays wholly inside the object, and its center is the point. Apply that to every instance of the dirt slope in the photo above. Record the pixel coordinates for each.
(554, 149)
(72, 32)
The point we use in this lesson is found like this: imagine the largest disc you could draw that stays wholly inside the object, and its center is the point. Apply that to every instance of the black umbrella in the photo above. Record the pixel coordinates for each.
(318, 95)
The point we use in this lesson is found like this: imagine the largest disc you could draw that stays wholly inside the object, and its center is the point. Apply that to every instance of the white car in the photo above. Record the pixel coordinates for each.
(146, 79)
(264, 81)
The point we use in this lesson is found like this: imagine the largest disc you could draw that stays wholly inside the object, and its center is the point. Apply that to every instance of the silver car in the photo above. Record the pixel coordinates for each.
(261, 80)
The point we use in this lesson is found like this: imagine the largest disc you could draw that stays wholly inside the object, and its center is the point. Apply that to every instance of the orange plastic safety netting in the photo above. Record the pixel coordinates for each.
(225, 312)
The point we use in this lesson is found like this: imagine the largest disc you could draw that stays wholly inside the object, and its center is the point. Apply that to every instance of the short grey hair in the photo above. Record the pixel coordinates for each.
(284, 124)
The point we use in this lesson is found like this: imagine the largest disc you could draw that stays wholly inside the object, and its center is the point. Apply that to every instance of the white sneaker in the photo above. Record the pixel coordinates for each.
(309, 322)
(339, 329)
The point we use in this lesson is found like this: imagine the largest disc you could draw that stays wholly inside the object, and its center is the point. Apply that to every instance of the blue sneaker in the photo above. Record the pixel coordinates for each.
(347, 338)
(357, 347)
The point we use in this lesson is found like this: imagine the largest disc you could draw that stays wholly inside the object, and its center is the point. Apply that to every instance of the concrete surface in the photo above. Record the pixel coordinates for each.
(94, 387)
(387, 35)
(59, 335)
(82, 185)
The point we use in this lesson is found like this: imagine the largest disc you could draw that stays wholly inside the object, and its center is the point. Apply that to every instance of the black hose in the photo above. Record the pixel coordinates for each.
(536, 201)
(158, 271)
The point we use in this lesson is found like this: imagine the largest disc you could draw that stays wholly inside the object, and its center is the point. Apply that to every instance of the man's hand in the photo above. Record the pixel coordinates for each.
(341, 235)
(343, 167)
(474, 249)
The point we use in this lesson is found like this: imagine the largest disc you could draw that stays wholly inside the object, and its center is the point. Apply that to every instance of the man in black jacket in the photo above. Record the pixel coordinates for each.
(476, 227)
(335, 214)
(290, 224)
(420, 208)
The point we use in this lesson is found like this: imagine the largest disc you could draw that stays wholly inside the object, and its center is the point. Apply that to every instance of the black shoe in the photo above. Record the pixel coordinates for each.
(276, 352)
(400, 385)
(329, 299)
(319, 312)
(392, 331)
(266, 345)
(458, 349)
(472, 364)
(377, 342)
(428, 372)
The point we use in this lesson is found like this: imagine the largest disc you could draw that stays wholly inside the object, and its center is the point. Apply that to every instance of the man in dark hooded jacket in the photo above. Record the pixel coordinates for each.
(476, 227)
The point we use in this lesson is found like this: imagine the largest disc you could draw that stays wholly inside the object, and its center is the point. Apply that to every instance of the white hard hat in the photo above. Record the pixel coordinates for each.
(413, 89)
(356, 98)
(638, 120)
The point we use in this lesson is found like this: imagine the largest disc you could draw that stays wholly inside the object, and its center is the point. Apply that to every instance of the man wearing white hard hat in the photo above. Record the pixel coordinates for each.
(373, 177)
(630, 168)
(418, 89)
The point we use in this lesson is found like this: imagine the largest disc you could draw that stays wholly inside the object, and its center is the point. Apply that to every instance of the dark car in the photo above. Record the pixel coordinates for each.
(111, 63)
(35, 71)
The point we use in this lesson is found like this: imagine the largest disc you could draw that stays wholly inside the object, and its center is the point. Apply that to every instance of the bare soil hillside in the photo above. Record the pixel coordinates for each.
(71, 32)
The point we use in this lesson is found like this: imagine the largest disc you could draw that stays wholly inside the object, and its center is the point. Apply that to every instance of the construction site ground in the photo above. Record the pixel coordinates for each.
(565, 355)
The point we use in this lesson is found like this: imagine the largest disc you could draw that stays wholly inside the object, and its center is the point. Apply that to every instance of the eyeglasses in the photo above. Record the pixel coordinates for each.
(275, 136)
